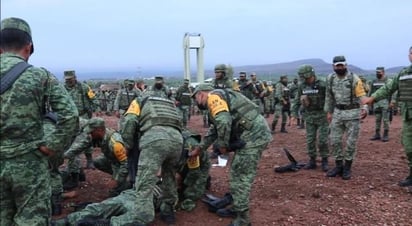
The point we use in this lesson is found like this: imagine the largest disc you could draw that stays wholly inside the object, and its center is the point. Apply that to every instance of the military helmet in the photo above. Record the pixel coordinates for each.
(18, 24)
(220, 68)
(306, 71)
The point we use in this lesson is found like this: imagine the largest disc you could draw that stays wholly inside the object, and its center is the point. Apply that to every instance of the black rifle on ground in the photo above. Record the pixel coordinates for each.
(292, 167)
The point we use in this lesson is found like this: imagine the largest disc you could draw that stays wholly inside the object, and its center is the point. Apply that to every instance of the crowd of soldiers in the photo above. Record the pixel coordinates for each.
(156, 163)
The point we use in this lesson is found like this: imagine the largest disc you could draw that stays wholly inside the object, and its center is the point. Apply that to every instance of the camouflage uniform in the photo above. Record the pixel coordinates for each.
(282, 106)
(343, 102)
(293, 89)
(159, 89)
(402, 83)
(123, 99)
(268, 98)
(260, 92)
(113, 159)
(236, 118)
(246, 86)
(380, 108)
(183, 101)
(24, 171)
(312, 97)
(156, 122)
(225, 79)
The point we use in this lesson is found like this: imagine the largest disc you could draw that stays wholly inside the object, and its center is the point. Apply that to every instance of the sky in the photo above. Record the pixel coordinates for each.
(137, 35)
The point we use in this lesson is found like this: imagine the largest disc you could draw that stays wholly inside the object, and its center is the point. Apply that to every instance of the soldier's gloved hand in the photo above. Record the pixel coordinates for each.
(46, 151)
(363, 113)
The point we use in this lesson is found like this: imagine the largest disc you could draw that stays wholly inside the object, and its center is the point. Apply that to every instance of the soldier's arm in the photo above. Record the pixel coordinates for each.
(329, 100)
(296, 103)
(219, 111)
(119, 152)
(80, 143)
(91, 96)
(117, 100)
(386, 90)
(67, 114)
(130, 132)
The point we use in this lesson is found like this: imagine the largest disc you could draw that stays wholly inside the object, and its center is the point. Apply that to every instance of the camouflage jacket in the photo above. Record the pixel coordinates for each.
(124, 97)
(84, 98)
(23, 107)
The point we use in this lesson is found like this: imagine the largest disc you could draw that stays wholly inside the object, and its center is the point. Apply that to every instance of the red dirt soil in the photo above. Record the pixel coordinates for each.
(306, 197)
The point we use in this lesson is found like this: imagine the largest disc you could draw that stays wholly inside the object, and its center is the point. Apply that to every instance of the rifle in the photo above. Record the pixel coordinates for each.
(292, 167)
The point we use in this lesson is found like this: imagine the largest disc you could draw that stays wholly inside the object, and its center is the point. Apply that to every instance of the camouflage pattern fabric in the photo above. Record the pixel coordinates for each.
(84, 98)
(123, 99)
(405, 76)
(183, 96)
(24, 174)
(380, 108)
(281, 110)
(81, 143)
(247, 88)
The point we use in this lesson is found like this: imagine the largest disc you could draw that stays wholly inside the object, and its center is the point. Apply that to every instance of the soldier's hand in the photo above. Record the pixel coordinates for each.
(195, 152)
(284, 102)
(329, 117)
(363, 113)
(117, 114)
(367, 100)
(46, 151)
(391, 105)
(223, 150)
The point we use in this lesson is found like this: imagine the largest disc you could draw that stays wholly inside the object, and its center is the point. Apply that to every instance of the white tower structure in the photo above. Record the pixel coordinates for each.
(194, 41)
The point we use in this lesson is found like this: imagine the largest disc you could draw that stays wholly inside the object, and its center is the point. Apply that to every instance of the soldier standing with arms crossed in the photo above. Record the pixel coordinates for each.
(24, 150)
(343, 95)
(311, 95)
(403, 84)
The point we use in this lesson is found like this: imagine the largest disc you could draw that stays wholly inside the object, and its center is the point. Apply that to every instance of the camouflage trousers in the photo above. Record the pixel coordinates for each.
(317, 129)
(260, 104)
(121, 122)
(25, 190)
(162, 154)
(183, 111)
(56, 181)
(381, 116)
(242, 174)
(338, 128)
(407, 139)
(105, 165)
(279, 112)
(268, 104)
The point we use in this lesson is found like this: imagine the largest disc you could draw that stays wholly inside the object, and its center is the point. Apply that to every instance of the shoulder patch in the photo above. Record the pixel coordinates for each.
(90, 93)
(216, 104)
(134, 108)
(119, 151)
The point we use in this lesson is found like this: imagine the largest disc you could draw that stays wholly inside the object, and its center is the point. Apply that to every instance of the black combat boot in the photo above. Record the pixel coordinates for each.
(89, 159)
(72, 182)
(273, 128)
(242, 219)
(220, 203)
(337, 171)
(226, 212)
(325, 164)
(407, 181)
(311, 164)
(56, 204)
(167, 214)
(385, 137)
(346, 175)
(298, 122)
(377, 135)
(283, 128)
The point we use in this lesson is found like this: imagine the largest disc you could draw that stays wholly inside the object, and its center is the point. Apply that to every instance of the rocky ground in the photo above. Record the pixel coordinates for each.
(371, 197)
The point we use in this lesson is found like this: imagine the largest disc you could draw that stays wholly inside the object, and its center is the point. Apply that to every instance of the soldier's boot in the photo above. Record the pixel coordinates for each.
(385, 137)
(347, 173)
(302, 124)
(82, 175)
(273, 128)
(377, 135)
(93, 221)
(283, 129)
(226, 212)
(72, 182)
(337, 171)
(89, 161)
(220, 203)
(56, 204)
(325, 164)
(407, 181)
(242, 219)
(298, 122)
(60, 222)
(311, 164)
(167, 214)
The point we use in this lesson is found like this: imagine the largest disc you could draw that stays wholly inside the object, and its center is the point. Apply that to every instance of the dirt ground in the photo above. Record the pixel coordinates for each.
(306, 197)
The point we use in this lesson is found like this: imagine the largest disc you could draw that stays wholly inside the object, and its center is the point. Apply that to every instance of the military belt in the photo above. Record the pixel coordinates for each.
(347, 106)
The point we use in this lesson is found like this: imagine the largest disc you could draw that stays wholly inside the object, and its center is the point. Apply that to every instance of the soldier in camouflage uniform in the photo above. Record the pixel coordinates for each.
(246, 86)
(24, 148)
(343, 94)
(85, 100)
(282, 106)
(123, 99)
(159, 89)
(183, 101)
(293, 89)
(223, 77)
(380, 108)
(311, 95)
(154, 123)
(235, 120)
(268, 98)
(260, 92)
(113, 159)
(401, 83)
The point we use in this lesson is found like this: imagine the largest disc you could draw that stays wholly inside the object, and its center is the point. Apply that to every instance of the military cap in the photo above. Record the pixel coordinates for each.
(306, 70)
(283, 77)
(339, 60)
(129, 82)
(253, 74)
(242, 73)
(18, 24)
(380, 68)
(158, 79)
(94, 123)
(186, 81)
(139, 81)
(69, 74)
(202, 87)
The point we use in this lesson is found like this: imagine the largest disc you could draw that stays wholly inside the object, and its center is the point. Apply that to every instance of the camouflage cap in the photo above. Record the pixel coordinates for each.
(220, 68)
(186, 81)
(339, 60)
(242, 73)
(18, 24)
(159, 79)
(306, 71)
(252, 74)
(380, 68)
(94, 123)
(69, 74)
(129, 82)
(283, 77)
(139, 81)
(202, 87)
